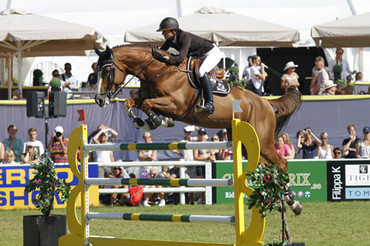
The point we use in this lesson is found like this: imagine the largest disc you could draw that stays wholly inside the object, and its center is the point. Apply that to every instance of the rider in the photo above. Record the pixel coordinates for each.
(189, 44)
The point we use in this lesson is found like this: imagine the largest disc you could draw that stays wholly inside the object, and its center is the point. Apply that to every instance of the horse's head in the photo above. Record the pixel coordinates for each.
(108, 81)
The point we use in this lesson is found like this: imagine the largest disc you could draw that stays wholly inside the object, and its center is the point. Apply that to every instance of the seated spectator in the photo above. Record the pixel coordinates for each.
(17, 94)
(325, 150)
(338, 154)
(308, 145)
(38, 145)
(58, 145)
(363, 147)
(2, 152)
(14, 143)
(349, 144)
(101, 137)
(226, 154)
(330, 88)
(216, 152)
(120, 198)
(358, 77)
(29, 156)
(9, 157)
(288, 142)
(283, 149)
(202, 155)
(147, 155)
(290, 77)
(150, 198)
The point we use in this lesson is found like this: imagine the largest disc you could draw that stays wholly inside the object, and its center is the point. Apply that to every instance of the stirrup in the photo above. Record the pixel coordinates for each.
(207, 107)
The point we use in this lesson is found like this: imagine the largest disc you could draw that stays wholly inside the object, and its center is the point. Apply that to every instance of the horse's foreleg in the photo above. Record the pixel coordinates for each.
(164, 104)
(138, 123)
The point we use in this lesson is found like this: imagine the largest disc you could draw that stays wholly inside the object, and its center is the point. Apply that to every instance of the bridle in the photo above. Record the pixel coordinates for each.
(113, 65)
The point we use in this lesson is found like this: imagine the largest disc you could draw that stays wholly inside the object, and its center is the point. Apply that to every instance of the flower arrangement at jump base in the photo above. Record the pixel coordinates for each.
(270, 182)
(47, 181)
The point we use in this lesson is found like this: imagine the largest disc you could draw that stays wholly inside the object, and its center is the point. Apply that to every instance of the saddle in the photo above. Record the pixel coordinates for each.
(219, 86)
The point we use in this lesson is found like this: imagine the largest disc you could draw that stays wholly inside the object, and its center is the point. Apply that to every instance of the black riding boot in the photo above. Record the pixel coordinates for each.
(208, 96)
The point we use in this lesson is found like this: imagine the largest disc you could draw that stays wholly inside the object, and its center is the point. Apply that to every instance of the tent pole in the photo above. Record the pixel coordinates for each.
(10, 81)
(19, 66)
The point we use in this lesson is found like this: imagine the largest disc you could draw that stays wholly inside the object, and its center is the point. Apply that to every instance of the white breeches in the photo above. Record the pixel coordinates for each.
(213, 57)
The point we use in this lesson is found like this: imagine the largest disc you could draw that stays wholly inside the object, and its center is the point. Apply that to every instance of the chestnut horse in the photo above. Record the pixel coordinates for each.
(165, 90)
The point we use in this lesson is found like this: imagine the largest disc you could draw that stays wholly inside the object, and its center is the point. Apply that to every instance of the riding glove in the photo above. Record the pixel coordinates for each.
(158, 56)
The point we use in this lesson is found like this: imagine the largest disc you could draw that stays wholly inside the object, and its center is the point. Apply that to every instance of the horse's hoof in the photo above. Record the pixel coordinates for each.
(168, 122)
(138, 123)
(297, 208)
(151, 124)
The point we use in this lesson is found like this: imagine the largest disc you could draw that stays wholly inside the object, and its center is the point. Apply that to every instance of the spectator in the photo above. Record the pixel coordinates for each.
(29, 156)
(202, 155)
(247, 70)
(363, 148)
(70, 82)
(325, 150)
(9, 157)
(288, 142)
(14, 143)
(283, 149)
(358, 77)
(226, 154)
(330, 88)
(147, 155)
(308, 145)
(55, 83)
(320, 74)
(150, 197)
(338, 154)
(290, 77)
(339, 67)
(216, 152)
(17, 94)
(2, 152)
(58, 145)
(120, 198)
(349, 144)
(134, 94)
(101, 137)
(38, 145)
(299, 154)
(92, 79)
(258, 76)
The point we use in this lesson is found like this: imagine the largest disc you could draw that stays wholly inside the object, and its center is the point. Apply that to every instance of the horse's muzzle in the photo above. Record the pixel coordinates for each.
(102, 100)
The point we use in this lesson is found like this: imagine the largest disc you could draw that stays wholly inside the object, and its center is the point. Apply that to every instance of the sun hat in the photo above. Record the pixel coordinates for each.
(189, 128)
(30, 144)
(289, 65)
(328, 84)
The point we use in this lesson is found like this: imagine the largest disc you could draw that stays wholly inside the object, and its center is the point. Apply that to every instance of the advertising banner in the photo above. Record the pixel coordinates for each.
(348, 180)
(307, 180)
(14, 178)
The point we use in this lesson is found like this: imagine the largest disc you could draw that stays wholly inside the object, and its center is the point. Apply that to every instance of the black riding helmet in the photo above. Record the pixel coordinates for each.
(168, 23)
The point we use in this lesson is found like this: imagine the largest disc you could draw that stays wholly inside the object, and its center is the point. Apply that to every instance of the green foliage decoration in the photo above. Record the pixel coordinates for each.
(47, 181)
(270, 182)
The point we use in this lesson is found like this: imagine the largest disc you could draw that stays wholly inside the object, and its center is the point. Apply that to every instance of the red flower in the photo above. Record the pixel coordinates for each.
(266, 178)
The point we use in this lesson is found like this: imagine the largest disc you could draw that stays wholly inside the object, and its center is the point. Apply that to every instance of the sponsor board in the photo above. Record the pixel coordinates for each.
(14, 178)
(348, 180)
(307, 180)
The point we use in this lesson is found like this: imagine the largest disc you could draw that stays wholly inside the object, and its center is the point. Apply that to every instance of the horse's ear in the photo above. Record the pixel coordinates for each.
(108, 50)
(97, 50)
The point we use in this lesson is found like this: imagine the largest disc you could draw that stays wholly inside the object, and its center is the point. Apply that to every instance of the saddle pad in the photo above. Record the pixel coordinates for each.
(219, 87)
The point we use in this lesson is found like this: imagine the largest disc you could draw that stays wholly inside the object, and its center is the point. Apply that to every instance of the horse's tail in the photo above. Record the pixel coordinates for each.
(285, 106)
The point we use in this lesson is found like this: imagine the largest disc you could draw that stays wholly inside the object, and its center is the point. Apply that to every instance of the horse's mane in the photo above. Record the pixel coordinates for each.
(145, 48)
